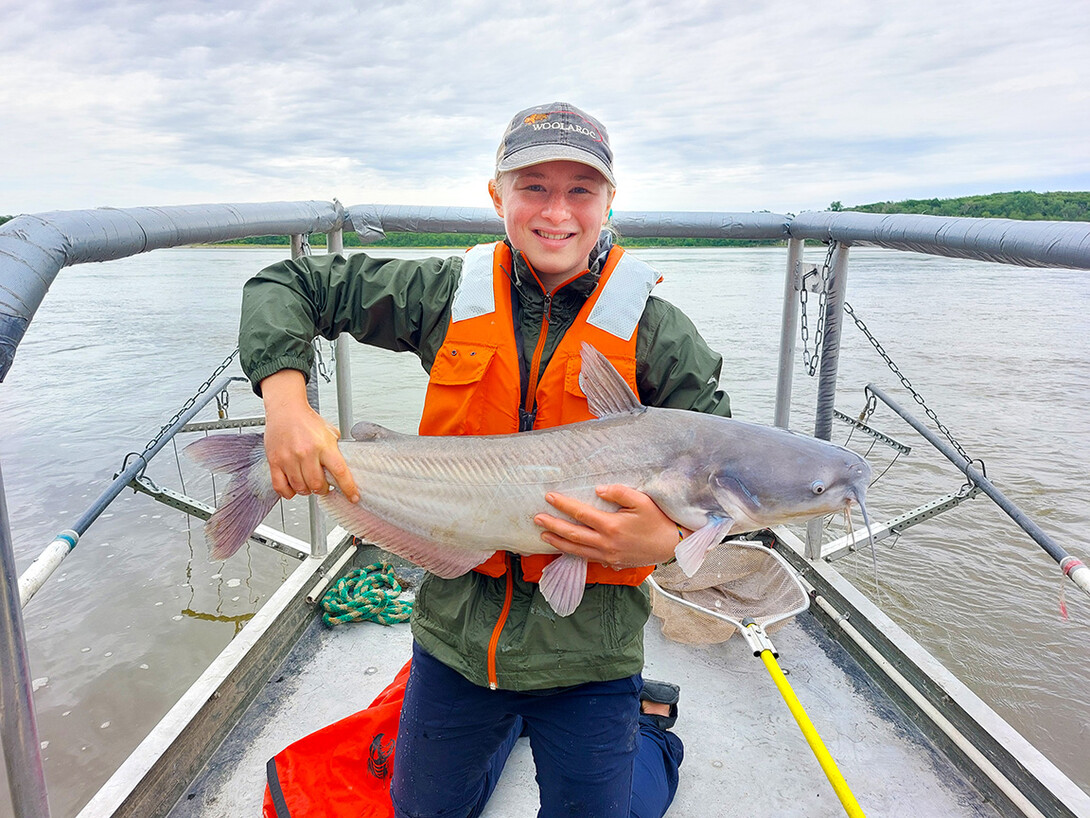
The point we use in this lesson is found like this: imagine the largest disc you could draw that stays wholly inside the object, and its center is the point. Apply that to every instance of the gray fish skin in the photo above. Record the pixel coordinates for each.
(447, 503)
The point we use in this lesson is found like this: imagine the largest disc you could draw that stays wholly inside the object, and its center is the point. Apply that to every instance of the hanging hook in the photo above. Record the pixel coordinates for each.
(223, 400)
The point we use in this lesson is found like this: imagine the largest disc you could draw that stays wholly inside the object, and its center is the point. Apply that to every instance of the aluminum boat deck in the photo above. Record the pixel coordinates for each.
(744, 752)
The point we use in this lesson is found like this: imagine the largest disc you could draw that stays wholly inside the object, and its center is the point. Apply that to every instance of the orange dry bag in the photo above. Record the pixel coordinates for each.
(343, 770)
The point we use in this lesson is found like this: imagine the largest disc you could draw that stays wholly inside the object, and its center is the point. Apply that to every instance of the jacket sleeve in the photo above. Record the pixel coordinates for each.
(397, 304)
(675, 366)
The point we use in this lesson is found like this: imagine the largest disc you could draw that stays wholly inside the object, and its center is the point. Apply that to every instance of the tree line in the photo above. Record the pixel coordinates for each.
(1067, 206)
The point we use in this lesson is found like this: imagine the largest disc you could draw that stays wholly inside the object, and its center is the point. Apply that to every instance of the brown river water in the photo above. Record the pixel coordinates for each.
(138, 611)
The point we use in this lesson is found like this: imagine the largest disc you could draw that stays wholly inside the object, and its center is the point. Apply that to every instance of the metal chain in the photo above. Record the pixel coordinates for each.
(811, 361)
(325, 370)
(189, 403)
(872, 400)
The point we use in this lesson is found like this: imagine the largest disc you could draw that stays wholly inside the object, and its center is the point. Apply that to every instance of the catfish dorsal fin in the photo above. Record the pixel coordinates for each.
(606, 390)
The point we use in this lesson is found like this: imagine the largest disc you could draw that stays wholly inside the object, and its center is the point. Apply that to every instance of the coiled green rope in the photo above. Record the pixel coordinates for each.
(369, 593)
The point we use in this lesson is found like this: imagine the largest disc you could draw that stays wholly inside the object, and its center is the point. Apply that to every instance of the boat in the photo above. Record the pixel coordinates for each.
(907, 735)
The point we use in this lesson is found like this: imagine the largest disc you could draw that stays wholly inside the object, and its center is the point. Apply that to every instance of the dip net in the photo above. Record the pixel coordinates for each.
(739, 580)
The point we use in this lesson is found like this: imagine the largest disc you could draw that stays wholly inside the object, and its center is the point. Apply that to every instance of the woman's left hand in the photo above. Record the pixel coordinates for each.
(635, 534)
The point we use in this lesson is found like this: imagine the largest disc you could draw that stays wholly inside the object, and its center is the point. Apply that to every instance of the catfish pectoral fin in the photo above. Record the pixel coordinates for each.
(691, 551)
(562, 583)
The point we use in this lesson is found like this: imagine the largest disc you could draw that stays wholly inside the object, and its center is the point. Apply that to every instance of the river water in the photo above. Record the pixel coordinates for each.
(138, 611)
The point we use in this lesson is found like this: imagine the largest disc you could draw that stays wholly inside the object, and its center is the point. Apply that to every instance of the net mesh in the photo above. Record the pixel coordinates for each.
(738, 580)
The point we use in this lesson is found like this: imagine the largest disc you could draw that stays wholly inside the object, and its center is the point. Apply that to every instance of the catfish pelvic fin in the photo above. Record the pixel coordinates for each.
(562, 583)
(606, 390)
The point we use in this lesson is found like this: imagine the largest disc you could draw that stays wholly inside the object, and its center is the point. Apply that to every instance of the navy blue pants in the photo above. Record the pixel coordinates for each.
(594, 755)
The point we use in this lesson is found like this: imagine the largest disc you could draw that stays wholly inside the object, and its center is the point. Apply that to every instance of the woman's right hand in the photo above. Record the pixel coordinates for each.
(300, 445)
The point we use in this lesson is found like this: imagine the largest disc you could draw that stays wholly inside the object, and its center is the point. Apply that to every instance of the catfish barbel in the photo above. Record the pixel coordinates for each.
(448, 503)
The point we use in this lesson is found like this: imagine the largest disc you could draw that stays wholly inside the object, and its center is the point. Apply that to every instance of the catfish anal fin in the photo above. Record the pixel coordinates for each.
(441, 560)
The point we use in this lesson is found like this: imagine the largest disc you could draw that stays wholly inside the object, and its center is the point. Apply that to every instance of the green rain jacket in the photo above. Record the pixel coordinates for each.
(404, 305)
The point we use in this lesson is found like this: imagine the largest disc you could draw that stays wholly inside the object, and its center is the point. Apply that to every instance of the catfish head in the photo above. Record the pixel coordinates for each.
(797, 478)
(760, 477)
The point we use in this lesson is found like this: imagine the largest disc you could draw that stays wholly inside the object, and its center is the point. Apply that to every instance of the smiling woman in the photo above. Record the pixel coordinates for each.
(554, 213)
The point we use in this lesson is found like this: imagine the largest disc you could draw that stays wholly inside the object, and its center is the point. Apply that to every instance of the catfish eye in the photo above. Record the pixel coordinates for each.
(817, 487)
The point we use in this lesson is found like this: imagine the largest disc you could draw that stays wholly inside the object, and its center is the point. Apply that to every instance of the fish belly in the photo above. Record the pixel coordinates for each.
(483, 492)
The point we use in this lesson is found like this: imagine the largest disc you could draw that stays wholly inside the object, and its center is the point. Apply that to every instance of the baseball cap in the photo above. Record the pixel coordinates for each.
(558, 130)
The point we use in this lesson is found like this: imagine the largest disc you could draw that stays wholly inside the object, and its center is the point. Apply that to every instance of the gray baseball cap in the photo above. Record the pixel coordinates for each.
(558, 130)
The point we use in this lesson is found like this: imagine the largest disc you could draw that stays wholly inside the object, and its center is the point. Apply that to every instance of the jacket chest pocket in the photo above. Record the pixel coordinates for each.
(461, 364)
(573, 403)
(462, 398)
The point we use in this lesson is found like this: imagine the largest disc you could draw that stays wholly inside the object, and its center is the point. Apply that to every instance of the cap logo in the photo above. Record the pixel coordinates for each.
(556, 125)
(556, 131)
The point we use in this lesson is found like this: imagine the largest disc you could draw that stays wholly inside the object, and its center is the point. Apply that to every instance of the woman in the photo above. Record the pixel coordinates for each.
(499, 331)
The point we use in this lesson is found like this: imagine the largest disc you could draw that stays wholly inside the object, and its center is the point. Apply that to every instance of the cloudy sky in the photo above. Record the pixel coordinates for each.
(780, 105)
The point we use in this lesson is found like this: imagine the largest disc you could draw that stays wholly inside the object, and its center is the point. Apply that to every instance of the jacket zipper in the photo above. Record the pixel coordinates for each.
(539, 350)
(508, 594)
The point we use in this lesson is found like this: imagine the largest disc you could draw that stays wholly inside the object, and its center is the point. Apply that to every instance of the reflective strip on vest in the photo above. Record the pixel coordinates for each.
(474, 296)
(617, 311)
(623, 298)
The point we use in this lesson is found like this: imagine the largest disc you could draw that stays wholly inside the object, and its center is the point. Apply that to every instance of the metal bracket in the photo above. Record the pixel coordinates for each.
(757, 639)
(806, 277)
(226, 423)
(265, 535)
(850, 543)
(872, 432)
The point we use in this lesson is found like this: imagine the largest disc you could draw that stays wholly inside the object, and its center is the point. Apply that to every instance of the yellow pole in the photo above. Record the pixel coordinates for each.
(851, 807)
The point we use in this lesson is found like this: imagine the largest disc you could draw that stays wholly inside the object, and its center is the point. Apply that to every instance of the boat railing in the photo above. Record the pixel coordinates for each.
(35, 248)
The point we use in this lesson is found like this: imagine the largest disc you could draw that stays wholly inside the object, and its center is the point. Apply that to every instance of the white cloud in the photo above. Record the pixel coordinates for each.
(711, 105)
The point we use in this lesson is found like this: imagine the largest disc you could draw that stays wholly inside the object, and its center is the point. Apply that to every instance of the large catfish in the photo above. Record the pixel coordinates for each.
(447, 503)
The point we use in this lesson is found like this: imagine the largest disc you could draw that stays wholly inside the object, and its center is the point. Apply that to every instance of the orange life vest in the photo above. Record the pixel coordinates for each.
(475, 386)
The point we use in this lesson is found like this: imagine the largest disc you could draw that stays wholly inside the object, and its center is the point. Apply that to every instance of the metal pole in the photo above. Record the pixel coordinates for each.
(830, 361)
(342, 348)
(788, 332)
(1071, 566)
(830, 343)
(301, 247)
(18, 725)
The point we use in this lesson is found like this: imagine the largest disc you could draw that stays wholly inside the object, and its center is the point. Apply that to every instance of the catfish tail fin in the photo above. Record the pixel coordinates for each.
(249, 496)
